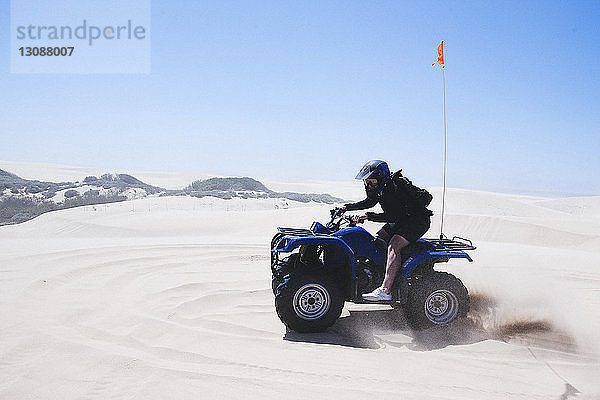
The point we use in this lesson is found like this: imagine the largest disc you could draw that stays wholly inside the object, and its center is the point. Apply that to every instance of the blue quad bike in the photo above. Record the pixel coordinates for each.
(316, 270)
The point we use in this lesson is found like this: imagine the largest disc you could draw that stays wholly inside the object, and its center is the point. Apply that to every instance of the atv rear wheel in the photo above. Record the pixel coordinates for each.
(436, 299)
(308, 301)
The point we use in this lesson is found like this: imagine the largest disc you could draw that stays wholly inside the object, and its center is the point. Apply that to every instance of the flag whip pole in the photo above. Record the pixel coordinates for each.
(440, 60)
(445, 153)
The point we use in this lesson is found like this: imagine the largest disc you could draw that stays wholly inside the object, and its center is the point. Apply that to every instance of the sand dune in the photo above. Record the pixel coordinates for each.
(170, 298)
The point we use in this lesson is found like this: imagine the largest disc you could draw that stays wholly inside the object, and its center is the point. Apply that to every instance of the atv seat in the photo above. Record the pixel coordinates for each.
(408, 251)
(416, 247)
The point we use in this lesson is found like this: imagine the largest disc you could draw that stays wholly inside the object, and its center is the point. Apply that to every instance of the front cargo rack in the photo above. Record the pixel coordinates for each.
(281, 232)
(296, 231)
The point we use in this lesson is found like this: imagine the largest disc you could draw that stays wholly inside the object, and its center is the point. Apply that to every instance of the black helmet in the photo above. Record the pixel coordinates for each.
(375, 169)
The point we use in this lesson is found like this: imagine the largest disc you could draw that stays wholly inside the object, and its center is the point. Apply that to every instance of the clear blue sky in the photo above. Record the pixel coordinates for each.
(313, 89)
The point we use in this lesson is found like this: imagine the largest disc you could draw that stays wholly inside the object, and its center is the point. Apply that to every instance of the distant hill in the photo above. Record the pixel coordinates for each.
(24, 199)
(121, 182)
(227, 188)
(8, 177)
(108, 184)
(227, 184)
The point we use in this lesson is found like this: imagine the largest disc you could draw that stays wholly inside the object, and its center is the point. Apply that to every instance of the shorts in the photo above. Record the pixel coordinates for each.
(410, 229)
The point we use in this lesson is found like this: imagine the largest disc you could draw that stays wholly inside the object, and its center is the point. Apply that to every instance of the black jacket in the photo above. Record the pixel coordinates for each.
(396, 202)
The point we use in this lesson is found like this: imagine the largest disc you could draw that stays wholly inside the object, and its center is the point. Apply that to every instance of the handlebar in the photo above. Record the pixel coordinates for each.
(336, 213)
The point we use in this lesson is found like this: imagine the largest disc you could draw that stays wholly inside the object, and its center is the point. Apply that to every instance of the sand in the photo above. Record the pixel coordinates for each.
(170, 298)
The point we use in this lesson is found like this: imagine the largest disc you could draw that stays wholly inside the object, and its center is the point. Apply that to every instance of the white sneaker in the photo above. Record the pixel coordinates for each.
(377, 295)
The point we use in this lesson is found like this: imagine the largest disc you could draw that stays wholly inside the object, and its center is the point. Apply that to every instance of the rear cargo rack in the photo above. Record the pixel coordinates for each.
(456, 243)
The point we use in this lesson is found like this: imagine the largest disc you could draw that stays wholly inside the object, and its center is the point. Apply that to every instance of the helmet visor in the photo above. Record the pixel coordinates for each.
(365, 172)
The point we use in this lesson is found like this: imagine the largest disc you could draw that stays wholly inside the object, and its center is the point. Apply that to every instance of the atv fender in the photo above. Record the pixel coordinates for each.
(417, 259)
(287, 244)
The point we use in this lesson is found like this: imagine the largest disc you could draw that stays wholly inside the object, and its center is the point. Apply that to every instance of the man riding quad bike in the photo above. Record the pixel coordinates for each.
(404, 211)
(339, 261)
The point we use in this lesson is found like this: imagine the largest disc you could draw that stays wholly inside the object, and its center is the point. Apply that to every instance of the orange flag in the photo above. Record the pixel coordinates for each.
(440, 59)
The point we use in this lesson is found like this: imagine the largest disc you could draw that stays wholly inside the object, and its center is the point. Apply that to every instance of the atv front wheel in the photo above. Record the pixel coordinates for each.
(281, 270)
(308, 301)
(436, 299)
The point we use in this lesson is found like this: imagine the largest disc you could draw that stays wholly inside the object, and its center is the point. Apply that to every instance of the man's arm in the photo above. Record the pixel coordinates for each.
(377, 217)
(361, 205)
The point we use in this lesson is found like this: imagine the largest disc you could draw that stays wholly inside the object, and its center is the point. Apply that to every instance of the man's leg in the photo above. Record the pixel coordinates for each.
(394, 261)
(384, 234)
